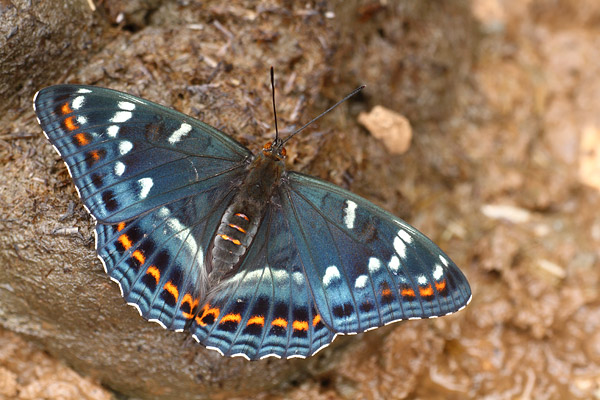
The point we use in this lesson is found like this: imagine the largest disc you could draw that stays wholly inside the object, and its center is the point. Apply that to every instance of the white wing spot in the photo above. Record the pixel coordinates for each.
(125, 147)
(183, 130)
(331, 273)
(374, 264)
(298, 278)
(81, 119)
(422, 280)
(83, 90)
(145, 186)
(405, 236)
(400, 247)
(394, 263)
(163, 212)
(443, 260)
(125, 105)
(121, 116)
(361, 282)
(350, 214)
(77, 102)
(438, 272)
(183, 236)
(281, 275)
(119, 168)
(112, 131)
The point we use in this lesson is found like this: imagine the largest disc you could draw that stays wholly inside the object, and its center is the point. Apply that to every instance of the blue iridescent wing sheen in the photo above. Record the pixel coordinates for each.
(365, 267)
(158, 259)
(128, 155)
(266, 308)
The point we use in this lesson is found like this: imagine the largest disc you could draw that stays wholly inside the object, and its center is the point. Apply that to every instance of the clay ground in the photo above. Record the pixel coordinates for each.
(503, 173)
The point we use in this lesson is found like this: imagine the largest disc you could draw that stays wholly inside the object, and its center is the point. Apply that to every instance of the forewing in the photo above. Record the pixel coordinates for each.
(366, 267)
(266, 308)
(128, 155)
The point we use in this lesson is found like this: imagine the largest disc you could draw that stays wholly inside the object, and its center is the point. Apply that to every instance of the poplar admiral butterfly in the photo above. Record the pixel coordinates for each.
(251, 259)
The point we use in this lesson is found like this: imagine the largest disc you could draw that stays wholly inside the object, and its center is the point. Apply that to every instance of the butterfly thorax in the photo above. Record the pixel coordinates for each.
(243, 216)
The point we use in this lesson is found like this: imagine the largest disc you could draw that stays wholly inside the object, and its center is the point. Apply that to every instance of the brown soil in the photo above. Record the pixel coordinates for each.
(502, 173)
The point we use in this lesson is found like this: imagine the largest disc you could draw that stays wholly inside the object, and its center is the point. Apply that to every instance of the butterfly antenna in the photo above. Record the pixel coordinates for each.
(358, 89)
(274, 109)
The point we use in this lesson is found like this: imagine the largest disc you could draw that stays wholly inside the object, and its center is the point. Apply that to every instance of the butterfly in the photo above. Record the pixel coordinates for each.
(251, 259)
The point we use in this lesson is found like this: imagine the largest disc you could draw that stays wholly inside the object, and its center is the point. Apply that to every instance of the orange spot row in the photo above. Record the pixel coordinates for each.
(81, 138)
(256, 320)
(316, 319)
(124, 240)
(154, 272)
(280, 322)
(231, 318)
(139, 256)
(121, 226)
(94, 153)
(187, 298)
(239, 228)
(407, 292)
(386, 292)
(66, 109)
(300, 325)
(242, 216)
(440, 286)
(232, 240)
(207, 310)
(169, 287)
(70, 124)
(426, 291)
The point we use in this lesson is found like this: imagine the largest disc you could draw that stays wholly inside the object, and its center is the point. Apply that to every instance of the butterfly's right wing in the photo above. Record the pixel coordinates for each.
(128, 155)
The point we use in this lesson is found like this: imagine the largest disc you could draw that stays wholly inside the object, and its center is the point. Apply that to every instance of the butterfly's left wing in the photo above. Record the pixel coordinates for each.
(365, 267)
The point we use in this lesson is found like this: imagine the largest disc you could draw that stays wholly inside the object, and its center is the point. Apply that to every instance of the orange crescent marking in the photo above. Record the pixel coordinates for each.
(82, 140)
(316, 319)
(231, 318)
(70, 124)
(232, 240)
(152, 270)
(169, 287)
(256, 320)
(386, 292)
(300, 325)
(408, 293)
(206, 310)
(280, 322)
(187, 298)
(426, 291)
(239, 228)
(243, 216)
(124, 240)
(121, 226)
(440, 286)
(94, 153)
(139, 256)
(66, 109)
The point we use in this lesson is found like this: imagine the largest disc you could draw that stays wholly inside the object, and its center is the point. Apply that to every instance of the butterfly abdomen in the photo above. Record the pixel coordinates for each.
(243, 216)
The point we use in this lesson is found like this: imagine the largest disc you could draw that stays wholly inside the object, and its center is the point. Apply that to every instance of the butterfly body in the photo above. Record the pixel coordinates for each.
(251, 259)
(242, 218)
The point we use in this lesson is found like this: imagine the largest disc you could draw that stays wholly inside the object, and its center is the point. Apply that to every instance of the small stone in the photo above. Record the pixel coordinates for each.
(388, 126)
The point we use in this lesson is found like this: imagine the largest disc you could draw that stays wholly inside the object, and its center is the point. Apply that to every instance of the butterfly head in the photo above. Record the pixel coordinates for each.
(275, 150)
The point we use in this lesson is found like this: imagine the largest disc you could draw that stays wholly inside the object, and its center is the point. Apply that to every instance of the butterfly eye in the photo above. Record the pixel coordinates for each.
(268, 146)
